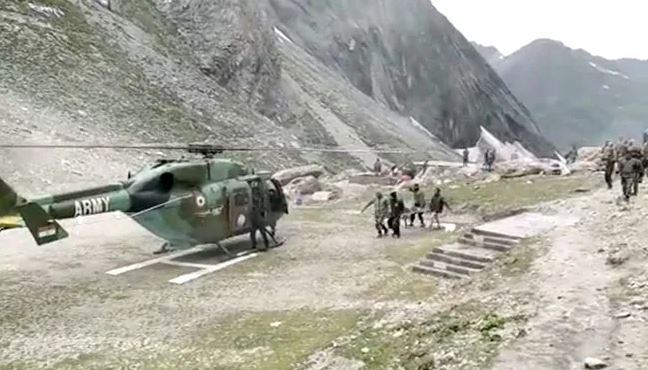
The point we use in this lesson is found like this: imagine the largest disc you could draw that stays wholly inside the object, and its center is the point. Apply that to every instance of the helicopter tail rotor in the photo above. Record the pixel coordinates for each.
(9, 200)
(41, 225)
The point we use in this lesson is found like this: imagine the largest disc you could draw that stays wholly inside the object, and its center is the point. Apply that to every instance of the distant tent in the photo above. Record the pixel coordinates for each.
(504, 151)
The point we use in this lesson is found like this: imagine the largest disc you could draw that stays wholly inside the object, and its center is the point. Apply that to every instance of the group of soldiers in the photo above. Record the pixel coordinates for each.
(629, 160)
(394, 211)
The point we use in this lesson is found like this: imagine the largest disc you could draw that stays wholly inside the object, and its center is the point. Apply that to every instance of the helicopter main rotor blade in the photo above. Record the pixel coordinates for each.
(109, 146)
(194, 147)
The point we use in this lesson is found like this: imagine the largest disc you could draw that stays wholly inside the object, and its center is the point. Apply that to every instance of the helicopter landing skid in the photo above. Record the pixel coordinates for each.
(278, 243)
(224, 249)
(165, 248)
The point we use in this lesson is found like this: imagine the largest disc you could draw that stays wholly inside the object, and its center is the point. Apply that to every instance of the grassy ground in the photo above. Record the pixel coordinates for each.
(510, 194)
(399, 282)
(467, 336)
(268, 340)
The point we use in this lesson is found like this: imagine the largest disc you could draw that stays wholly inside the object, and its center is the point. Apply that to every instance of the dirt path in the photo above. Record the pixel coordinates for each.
(576, 296)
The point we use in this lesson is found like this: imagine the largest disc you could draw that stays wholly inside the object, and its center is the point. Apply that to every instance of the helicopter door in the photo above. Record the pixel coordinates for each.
(239, 209)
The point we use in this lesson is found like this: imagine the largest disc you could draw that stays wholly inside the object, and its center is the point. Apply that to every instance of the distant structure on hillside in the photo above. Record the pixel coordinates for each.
(504, 151)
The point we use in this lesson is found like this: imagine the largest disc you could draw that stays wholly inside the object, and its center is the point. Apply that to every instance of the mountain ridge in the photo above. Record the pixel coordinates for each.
(235, 72)
(578, 98)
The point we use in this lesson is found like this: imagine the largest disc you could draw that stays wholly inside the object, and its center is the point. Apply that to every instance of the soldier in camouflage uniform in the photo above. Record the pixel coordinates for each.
(381, 212)
(637, 154)
(621, 149)
(437, 206)
(629, 168)
(257, 217)
(645, 155)
(419, 205)
(609, 160)
(396, 209)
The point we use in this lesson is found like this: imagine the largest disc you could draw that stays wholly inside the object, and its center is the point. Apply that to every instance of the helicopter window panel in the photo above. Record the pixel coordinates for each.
(235, 171)
(241, 199)
(166, 182)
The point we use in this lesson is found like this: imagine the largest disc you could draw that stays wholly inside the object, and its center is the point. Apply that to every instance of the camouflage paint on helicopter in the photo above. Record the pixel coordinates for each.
(185, 202)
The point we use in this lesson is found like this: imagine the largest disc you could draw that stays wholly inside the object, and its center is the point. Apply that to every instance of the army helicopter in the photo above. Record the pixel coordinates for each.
(185, 202)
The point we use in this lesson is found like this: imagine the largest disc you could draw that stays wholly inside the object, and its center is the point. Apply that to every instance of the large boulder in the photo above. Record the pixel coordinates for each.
(520, 168)
(324, 196)
(590, 154)
(286, 176)
(585, 166)
(304, 185)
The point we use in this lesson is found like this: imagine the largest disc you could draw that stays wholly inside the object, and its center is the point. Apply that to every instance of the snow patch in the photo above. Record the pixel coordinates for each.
(504, 151)
(46, 11)
(606, 87)
(282, 36)
(608, 71)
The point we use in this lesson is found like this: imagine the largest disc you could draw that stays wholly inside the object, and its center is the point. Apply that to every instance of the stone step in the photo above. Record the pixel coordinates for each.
(493, 234)
(492, 239)
(458, 261)
(467, 252)
(436, 272)
(492, 246)
(448, 267)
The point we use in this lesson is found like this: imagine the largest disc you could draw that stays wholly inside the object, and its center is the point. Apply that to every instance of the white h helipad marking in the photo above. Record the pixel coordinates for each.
(137, 266)
(213, 268)
(204, 269)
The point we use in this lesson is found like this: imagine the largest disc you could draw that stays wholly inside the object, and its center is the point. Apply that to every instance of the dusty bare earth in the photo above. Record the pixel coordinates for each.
(333, 297)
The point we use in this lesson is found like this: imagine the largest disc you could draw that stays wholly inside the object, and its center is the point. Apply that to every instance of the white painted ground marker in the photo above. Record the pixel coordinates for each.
(137, 266)
(195, 275)
(182, 279)
(187, 264)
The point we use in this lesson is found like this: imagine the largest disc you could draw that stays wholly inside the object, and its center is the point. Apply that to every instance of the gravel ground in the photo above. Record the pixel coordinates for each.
(59, 305)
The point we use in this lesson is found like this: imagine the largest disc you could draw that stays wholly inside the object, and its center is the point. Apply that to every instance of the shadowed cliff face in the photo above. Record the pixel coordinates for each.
(406, 55)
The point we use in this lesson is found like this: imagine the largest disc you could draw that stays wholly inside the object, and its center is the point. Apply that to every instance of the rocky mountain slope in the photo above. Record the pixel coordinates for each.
(237, 72)
(578, 98)
(406, 55)
(490, 53)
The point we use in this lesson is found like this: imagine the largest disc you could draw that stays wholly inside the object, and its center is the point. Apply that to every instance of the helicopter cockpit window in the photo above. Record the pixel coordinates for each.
(166, 182)
(241, 199)
(235, 171)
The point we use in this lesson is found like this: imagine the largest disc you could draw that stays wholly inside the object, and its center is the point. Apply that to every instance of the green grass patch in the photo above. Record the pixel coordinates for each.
(402, 285)
(519, 259)
(510, 194)
(403, 254)
(269, 340)
(469, 333)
